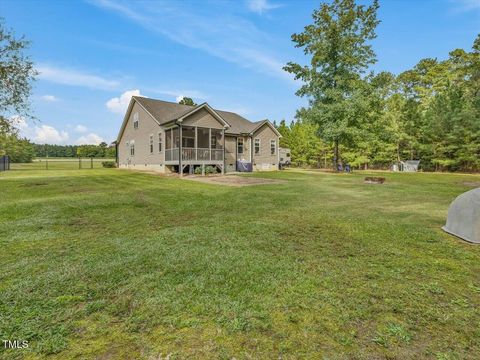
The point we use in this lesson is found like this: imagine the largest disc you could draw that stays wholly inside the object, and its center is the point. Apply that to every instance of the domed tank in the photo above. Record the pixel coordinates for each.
(464, 216)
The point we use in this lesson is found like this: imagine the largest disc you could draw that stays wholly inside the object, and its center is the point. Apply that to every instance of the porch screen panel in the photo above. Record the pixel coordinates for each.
(216, 143)
(217, 139)
(168, 139)
(188, 137)
(176, 138)
(203, 138)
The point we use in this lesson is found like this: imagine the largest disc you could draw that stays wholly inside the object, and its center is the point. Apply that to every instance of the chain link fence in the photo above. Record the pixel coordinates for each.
(63, 164)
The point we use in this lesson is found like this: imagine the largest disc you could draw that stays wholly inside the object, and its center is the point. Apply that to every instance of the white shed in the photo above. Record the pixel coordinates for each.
(409, 165)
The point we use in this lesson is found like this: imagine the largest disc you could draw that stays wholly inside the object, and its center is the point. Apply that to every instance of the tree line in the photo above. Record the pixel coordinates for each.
(103, 150)
(429, 113)
(23, 151)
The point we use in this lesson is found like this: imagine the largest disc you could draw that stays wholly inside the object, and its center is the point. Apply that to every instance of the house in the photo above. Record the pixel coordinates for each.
(169, 137)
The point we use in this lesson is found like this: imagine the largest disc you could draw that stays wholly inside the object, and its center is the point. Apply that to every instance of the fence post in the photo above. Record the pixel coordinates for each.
(91, 163)
(46, 156)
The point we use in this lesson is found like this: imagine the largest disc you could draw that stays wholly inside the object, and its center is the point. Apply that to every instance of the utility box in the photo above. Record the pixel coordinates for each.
(244, 166)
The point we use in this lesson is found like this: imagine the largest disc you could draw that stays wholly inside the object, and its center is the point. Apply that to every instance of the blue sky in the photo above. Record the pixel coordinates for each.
(93, 55)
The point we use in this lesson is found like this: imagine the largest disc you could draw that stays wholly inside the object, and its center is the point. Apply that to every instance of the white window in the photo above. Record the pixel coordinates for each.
(132, 148)
(240, 145)
(257, 146)
(135, 121)
(273, 147)
(151, 144)
(159, 142)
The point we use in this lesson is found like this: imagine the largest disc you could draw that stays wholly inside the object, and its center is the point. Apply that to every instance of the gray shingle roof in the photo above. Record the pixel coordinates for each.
(165, 112)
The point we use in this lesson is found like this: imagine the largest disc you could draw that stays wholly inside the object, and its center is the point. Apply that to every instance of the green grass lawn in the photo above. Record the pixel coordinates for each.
(113, 264)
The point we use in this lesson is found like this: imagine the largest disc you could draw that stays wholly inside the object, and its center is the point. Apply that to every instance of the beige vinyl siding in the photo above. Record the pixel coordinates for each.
(265, 160)
(141, 136)
(202, 118)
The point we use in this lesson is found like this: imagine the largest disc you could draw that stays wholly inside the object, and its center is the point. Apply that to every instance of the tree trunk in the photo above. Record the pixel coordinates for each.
(335, 155)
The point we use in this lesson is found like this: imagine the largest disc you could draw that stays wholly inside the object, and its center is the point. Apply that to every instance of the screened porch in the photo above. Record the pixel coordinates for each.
(198, 145)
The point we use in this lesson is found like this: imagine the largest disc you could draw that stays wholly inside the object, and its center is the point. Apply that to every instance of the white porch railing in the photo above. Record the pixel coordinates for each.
(189, 154)
(171, 154)
(203, 154)
(194, 154)
(217, 154)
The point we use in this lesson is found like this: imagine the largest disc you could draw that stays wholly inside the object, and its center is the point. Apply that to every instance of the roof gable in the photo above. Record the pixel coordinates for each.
(207, 107)
(266, 122)
(127, 115)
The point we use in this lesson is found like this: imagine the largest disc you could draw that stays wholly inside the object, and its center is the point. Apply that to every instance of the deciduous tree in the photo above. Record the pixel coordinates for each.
(187, 101)
(16, 76)
(338, 44)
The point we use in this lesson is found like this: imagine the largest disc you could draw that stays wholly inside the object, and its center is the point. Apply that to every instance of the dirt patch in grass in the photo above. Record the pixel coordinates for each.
(471, 183)
(35, 184)
(374, 180)
(233, 180)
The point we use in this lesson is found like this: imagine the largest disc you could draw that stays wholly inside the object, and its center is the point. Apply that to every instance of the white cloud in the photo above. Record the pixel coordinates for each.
(75, 78)
(179, 98)
(49, 98)
(119, 104)
(89, 139)
(46, 134)
(226, 36)
(19, 122)
(81, 129)
(261, 6)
